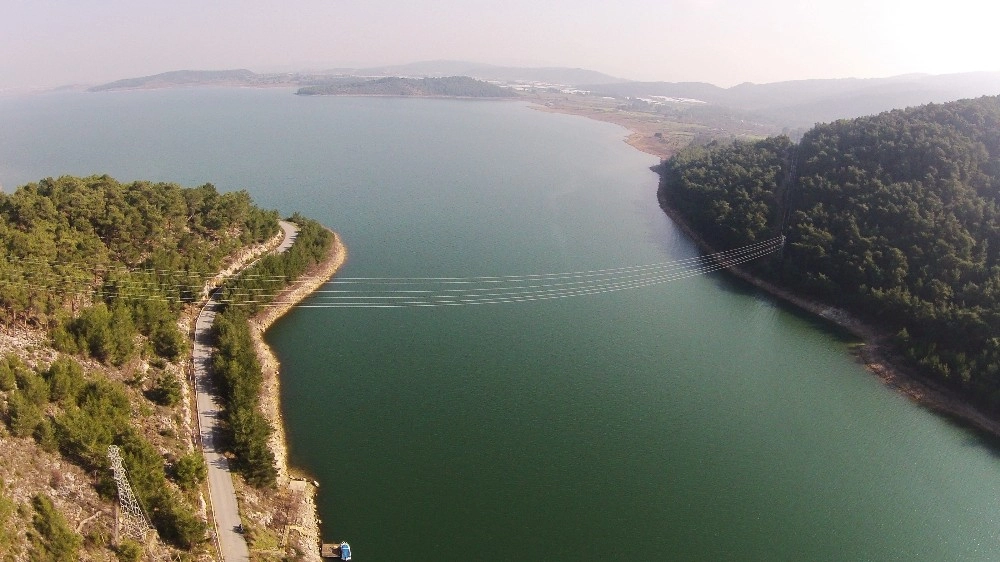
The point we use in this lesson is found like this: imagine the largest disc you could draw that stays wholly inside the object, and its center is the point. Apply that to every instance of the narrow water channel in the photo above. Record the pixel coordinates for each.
(694, 419)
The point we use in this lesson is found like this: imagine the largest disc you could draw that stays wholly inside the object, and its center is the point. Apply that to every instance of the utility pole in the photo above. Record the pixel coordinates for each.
(130, 519)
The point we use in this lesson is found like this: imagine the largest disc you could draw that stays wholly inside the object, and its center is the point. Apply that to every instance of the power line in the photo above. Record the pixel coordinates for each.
(542, 293)
(396, 292)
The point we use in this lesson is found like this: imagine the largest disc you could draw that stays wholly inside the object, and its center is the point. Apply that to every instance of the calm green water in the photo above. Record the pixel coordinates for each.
(694, 420)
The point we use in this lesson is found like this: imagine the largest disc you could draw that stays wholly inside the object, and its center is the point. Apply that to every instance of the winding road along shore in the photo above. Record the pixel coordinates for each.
(222, 494)
(227, 523)
(225, 510)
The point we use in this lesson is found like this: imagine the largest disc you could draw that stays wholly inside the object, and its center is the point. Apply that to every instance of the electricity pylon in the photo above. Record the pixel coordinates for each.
(131, 520)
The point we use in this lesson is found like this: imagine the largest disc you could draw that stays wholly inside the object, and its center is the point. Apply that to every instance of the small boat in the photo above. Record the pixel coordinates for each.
(334, 550)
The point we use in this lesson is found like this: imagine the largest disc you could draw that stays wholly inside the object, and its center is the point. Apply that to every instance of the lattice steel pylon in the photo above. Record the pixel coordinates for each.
(132, 520)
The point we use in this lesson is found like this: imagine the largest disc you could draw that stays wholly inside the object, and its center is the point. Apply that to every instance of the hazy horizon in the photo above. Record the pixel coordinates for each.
(723, 42)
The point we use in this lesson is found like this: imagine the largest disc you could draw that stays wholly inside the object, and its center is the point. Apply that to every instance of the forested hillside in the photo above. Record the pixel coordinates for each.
(142, 249)
(102, 270)
(893, 217)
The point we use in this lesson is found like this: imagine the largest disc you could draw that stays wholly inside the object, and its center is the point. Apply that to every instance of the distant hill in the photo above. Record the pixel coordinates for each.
(803, 103)
(549, 75)
(239, 77)
(433, 69)
(796, 104)
(452, 86)
(183, 78)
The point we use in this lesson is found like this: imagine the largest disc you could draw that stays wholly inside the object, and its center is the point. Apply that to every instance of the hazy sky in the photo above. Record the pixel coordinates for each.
(725, 42)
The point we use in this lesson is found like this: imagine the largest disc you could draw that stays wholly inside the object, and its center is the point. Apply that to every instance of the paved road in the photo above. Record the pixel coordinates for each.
(232, 544)
(291, 231)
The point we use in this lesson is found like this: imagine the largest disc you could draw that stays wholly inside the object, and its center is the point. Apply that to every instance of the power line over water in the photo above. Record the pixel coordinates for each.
(410, 292)
(385, 292)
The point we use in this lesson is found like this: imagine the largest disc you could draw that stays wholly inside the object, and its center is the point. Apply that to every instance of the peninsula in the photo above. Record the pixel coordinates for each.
(101, 285)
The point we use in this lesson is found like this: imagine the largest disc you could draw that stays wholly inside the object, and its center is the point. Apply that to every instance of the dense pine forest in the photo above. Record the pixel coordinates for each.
(85, 256)
(104, 270)
(893, 217)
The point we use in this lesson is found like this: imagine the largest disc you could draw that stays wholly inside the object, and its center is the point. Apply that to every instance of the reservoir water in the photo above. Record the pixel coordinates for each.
(691, 420)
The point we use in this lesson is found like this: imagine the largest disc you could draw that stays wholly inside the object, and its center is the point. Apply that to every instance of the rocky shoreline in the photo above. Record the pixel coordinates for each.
(297, 490)
(874, 353)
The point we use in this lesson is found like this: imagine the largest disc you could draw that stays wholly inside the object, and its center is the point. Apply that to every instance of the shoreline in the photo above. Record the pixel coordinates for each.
(641, 130)
(306, 523)
(874, 353)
